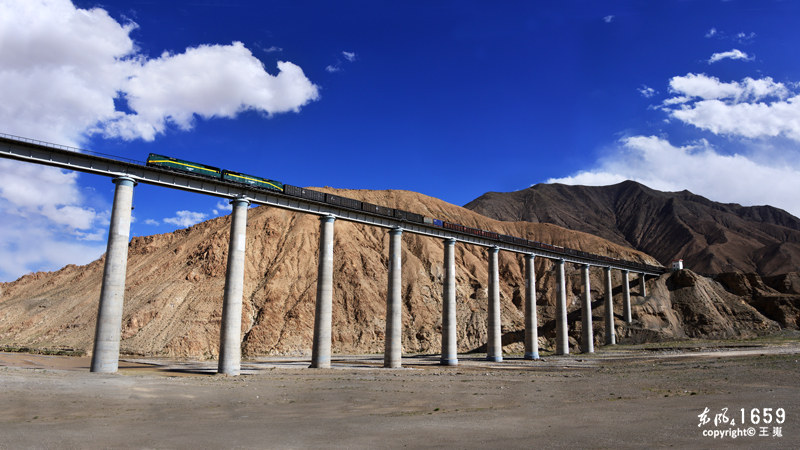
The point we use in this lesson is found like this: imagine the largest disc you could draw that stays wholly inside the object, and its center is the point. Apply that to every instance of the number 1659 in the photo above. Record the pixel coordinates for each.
(765, 416)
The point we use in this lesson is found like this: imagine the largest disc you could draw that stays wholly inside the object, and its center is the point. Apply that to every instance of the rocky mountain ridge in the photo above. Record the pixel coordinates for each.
(710, 237)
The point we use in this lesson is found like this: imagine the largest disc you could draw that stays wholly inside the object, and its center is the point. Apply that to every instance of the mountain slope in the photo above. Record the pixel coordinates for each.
(710, 237)
(175, 281)
(174, 288)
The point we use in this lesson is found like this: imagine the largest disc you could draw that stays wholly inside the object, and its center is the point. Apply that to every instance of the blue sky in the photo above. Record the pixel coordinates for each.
(449, 98)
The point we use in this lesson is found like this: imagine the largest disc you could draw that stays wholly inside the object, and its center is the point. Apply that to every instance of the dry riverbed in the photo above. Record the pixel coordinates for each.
(625, 396)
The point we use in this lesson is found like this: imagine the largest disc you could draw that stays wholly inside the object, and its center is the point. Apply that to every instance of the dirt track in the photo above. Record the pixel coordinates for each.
(622, 397)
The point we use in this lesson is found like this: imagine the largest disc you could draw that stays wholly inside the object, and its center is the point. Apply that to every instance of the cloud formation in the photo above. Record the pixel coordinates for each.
(734, 54)
(647, 91)
(185, 218)
(65, 67)
(337, 67)
(698, 167)
(752, 108)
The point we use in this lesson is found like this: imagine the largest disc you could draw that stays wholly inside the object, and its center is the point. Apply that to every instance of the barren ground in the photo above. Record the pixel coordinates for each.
(622, 397)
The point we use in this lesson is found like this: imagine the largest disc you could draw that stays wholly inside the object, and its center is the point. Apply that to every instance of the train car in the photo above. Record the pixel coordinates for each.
(438, 223)
(454, 227)
(171, 163)
(343, 201)
(252, 180)
(377, 209)
(304, 193)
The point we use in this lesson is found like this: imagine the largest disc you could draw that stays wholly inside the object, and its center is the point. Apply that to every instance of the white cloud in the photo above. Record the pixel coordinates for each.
(745, 37)
(348, 56)
(167, 90)
(647, 91)
(734, 54)
(62, 70)
(61, 66)
(752, 108)
(186, 218)
(222, 207)
(46, 223)
(31, 245)
(741, 37)
(65, 66)
(655, 162)
(608, 19)
(151, 222)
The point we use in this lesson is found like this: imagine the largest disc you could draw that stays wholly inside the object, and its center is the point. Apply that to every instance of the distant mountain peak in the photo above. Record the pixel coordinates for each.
(710, 237)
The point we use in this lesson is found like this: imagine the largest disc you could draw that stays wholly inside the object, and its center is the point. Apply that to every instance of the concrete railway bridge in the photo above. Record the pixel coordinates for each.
(127, 174)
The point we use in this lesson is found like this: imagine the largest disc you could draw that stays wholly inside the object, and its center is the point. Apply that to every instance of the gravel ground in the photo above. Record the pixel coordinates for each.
(619, 397)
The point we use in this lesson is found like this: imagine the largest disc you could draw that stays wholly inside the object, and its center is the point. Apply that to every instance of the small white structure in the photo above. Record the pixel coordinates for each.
(677, 265)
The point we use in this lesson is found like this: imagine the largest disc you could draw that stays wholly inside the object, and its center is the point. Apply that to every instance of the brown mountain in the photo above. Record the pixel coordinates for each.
(175, 282)
(710, 237)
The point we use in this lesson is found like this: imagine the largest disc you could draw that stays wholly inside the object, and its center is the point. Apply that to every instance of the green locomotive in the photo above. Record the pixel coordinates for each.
(171, 163)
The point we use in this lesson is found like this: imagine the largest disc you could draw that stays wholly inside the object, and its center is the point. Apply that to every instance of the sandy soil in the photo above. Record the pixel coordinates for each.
(624, 397)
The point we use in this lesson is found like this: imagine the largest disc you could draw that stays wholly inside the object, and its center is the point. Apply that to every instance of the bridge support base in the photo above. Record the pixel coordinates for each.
(449, 335)
(321, 348)
(531, 322)
(230, 336)
(587, 341)
(626, 297)
(393, 353)
(105, 355)
(494, 346)
(562, 337)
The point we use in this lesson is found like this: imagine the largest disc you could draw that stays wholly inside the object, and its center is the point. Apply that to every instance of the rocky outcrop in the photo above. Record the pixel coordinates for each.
(777, 297)
(710, 237)
(683, 304)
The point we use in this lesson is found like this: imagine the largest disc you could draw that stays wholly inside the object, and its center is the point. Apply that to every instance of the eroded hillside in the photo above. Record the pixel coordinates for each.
(175, 281)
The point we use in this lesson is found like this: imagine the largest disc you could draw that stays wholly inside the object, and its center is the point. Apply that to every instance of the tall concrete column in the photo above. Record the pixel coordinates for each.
(587, 338)
(643, 285)
(321, 349)
(562, 336)
(611, 334)
(393, 353)
(494, 345)
(626, 297)
(531, 322)
(105, 356)
(449, 343)
(230, 337)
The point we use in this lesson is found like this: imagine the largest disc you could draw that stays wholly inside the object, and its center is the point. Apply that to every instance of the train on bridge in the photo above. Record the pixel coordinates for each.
(260, 183)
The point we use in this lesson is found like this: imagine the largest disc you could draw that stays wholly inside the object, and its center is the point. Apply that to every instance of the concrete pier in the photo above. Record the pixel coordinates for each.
(626, 297)
(643, 285)
(393, 353)
(531, 321)
(562, 337)
(105, 356)
(494, 345)
(321, 348)
(587, 336)
(611, 334)
(230, 338)
(449, 335)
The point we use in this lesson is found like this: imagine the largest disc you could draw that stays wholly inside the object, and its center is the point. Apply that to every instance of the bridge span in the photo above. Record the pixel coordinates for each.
(126, 174)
